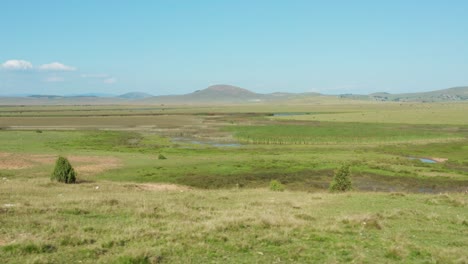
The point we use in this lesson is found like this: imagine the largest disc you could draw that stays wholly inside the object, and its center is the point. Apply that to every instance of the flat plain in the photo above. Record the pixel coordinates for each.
(208, 199)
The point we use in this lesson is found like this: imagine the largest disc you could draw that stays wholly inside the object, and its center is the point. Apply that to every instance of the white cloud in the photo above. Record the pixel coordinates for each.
(54, 79)
(56, 66)
(17, 65)
(110, 80)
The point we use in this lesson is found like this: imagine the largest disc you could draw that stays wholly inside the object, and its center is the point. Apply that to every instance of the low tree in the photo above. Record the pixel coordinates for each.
(63, 171)
(341, 181)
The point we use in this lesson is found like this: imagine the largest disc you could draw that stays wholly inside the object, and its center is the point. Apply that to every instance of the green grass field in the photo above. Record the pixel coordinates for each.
(397, 113)
(208, 201)
(341, 133)
(105, 222)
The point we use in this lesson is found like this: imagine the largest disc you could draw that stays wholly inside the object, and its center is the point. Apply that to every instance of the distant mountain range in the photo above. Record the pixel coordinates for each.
(222, 94)
(445, 95)
(131, 95)
(135, 95)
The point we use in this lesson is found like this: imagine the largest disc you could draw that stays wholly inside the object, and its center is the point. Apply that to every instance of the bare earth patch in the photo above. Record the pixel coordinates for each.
(162, 187)
(85, 165)
(10, 161)
(439, 159)
(94, 164)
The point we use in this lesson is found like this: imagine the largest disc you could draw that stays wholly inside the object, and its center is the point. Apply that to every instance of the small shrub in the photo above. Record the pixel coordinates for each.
(396, 253)
(112, 243)
(29, 248)
(341, 181)
(110, 202)
(75, 241)
(74, 211)
(161, 157)
(39, 131)
(305, 217)
(134, 260)
(63, 171)
(276, 186)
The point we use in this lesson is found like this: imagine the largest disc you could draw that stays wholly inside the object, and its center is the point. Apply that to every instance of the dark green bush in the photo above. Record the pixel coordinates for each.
(341, 181)
(161, 157)
(135, 260)
(64, 171)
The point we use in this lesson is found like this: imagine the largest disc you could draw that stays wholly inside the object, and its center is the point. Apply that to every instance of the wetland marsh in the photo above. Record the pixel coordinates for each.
(213, 184)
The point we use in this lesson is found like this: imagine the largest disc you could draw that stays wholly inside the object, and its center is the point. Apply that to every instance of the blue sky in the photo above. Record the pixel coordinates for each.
(174, 47)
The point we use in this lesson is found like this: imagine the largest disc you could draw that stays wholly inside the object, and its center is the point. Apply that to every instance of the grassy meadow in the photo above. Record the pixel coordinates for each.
(189, 184)
(108, 222)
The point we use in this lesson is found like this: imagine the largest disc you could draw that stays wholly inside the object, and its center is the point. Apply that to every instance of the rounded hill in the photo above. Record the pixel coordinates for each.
(222, 92)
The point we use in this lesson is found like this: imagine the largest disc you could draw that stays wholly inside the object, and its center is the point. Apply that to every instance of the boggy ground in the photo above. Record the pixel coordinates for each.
(133, 156)
(205, 203)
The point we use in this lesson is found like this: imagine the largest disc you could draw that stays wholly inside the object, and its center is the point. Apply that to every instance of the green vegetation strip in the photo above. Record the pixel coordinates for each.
(338, 133)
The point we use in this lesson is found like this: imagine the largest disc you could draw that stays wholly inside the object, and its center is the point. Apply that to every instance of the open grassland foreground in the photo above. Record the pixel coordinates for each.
(189, 184)
(109, 222)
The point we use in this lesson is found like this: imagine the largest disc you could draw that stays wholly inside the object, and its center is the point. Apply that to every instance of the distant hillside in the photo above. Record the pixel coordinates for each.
(223, 92)
(135, 95)
(445, 95)
(355, 96)
(229, 94)
(451, 94)
(93, 95)
(48, 96)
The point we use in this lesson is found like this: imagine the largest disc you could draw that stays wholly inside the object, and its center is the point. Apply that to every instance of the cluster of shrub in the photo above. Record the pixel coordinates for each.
(341, 181)
(64, 172)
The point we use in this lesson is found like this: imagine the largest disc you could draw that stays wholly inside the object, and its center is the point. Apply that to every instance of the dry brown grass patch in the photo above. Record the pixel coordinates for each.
(88, 165)
(439, 159)
(365, 221)
(3, 242)
(14, 161)
(85, 165)
(162, 187)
